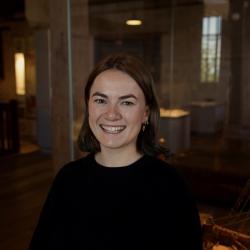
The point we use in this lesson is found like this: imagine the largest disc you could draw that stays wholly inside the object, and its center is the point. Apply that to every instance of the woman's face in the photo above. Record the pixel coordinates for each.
(117, 110)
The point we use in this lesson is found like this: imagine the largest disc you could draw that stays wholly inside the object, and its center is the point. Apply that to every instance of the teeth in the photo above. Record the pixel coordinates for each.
(113, 129)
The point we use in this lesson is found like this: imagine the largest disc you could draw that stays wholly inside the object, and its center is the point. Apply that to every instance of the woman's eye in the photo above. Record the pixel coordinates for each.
(127, 103)
(99, 101)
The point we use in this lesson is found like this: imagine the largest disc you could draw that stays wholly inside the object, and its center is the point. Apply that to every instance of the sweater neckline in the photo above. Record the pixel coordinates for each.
(127, 169)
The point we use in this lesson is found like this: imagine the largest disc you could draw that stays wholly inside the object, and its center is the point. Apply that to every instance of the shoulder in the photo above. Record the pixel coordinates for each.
(71, 178)
(160, 167)
(74, 170)
(165, 175)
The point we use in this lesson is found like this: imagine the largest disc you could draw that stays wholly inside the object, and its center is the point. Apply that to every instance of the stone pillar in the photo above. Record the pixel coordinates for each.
(239, 102)
(37, 15)
(71, 61)
(61, 82)
(43, 93)
(234, 116)
(245, 67)
(82, 61)
(166, 71)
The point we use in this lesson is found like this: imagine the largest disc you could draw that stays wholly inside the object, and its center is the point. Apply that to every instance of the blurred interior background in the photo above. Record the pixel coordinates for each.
(199, 54)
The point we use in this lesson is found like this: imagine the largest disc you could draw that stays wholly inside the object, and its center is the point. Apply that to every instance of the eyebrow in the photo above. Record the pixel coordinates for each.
(121, 97)
(99, 94)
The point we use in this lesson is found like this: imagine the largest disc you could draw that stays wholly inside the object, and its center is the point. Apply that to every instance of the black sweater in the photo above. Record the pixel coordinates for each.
(145, 205)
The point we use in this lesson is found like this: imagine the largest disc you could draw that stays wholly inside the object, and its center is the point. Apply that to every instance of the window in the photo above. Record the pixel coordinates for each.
(211, 49)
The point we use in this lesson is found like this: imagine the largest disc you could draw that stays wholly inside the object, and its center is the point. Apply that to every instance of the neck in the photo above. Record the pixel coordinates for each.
(117, 157)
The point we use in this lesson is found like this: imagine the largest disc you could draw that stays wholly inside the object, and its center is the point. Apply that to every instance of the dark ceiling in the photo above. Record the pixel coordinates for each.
(11, 10)
(14, 9)
(149, 2)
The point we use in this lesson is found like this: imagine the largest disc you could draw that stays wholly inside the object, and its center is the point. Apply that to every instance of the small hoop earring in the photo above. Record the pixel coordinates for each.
(144, 125)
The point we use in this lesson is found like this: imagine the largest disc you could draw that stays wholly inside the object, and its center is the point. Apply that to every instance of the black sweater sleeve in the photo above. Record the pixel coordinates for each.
(188, 219)
(50, 225)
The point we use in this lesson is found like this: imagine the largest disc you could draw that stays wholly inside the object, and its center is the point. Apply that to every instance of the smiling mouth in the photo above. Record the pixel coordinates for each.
(112, 129)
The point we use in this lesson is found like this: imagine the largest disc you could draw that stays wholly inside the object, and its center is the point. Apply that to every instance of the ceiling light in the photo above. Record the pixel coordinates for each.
(134, 22)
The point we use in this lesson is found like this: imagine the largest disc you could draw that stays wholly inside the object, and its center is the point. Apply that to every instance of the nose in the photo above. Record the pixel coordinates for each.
(112, 113)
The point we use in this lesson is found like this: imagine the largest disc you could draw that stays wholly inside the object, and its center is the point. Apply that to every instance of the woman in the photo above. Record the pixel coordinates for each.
(120, 196)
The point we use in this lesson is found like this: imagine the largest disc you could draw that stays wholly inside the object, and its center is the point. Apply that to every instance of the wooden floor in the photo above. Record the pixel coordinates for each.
(216, 170)
(24, 183)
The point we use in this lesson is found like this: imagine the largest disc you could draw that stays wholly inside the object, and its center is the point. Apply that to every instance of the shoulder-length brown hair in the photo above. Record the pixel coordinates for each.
(147, 140)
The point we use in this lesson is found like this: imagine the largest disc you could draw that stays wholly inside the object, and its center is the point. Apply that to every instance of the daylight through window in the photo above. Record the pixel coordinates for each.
(211, 49)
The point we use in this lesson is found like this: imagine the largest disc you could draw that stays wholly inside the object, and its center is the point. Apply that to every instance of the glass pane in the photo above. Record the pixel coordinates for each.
(205, 26)
(213, 25)
(189, 53)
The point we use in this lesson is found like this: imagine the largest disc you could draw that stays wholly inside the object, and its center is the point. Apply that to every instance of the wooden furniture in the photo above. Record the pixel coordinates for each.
(9, 131)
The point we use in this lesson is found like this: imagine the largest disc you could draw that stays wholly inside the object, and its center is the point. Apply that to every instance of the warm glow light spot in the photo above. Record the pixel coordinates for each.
(221, 247)
(174, 113)
(20, 73)
(162, 140)
(134, 22)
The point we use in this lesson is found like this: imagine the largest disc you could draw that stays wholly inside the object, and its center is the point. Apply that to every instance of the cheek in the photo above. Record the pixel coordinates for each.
(93, 112)
(95, 115)
(136, 117)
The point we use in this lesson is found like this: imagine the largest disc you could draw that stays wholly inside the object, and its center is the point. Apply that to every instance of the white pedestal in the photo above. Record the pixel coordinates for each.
(175, 129)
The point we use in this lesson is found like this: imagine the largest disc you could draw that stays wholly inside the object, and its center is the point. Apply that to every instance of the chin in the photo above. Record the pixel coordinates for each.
(112, 145)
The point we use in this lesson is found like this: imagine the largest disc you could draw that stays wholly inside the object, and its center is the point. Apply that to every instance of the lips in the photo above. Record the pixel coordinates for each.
(112, 129)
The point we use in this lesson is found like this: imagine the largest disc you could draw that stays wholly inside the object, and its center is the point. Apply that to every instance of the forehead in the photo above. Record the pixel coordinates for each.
(115, 80)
